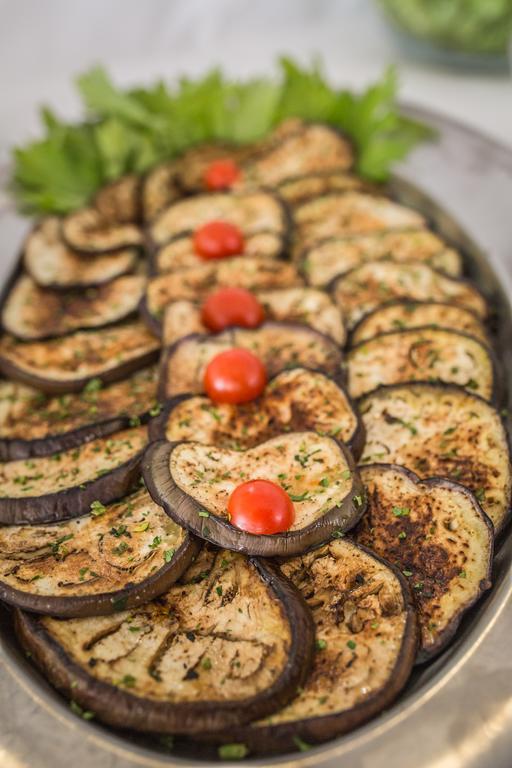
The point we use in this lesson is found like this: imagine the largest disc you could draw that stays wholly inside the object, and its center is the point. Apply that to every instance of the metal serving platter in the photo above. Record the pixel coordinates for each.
(455, 712)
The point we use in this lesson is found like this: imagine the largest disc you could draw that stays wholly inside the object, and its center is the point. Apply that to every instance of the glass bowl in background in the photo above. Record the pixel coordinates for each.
(471, 34)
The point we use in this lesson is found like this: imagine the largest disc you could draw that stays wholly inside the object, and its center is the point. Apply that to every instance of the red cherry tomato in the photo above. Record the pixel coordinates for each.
(221, 174)
(259, 506)
(234, 376)
(232, 306)
(218, 239)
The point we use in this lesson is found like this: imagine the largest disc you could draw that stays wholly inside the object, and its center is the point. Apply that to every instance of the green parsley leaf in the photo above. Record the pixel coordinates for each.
(129, 131)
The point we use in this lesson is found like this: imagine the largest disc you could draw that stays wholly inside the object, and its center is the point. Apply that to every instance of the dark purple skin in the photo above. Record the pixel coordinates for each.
(74, 501)
(283, 737)
(497, 373)
(184, 510)
(157, 426)
(107, 603)
(119, 708)
(485, 584)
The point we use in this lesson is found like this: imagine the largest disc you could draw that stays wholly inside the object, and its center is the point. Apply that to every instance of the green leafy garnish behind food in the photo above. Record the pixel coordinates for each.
(131, 130)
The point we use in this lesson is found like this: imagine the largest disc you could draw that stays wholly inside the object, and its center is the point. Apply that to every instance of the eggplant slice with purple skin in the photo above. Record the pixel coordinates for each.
(422, 354)
(87, 231)
(375, 283)
(299, 190)
(231, 641)
(349, 213)
(195, 283)
(34, 424)
(366, 639)
(179, 252)
(298, 149)
(193, 483)
(159, 190)
(293, 401)
(116, 557)
(306, 306)
(68, 363)
(52, 264)
(441, 430)
(120, 201)
(32, 313)
(280, 346)
(63, 485)
(335, 256)
(252, 212)
(436, 533)
(403, 315)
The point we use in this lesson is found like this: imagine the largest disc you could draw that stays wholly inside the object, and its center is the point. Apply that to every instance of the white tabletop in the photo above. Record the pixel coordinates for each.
(43, 43)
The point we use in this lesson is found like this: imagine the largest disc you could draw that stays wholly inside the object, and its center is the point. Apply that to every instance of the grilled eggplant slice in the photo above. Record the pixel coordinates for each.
(366, 644)
(367, 287)
(295, 305)
(302, 150)
(159, 190)
(123, 554)
(86, 231)
(337, 255)
(179, 252)
(63, 485)
(422, 354)
(194, 162)
(119, 202)
(33, 313)
(437, 534)
(196, 283)
(193, 483)
(350, 213)
(297, 191)
(294, 401)
(441, 430)
(33, 424)
(400, 315)
(68, 363)
(279, 346)
(252, 212)
(51, 264)
(229, 642)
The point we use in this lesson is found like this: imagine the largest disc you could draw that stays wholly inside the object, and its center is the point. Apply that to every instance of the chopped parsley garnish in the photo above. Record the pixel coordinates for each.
(232, 751)
(401, 511)
(97, 508)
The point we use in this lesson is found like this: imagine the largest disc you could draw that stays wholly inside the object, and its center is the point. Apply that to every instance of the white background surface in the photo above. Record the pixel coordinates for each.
(43, 43)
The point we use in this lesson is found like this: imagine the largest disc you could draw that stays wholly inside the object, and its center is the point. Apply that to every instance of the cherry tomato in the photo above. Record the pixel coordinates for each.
(232, 306)
(234, 376)
(259, 506)
(221, 174)
(218, 239)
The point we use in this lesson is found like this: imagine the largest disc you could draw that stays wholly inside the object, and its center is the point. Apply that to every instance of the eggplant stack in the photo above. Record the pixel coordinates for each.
(133, 590)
